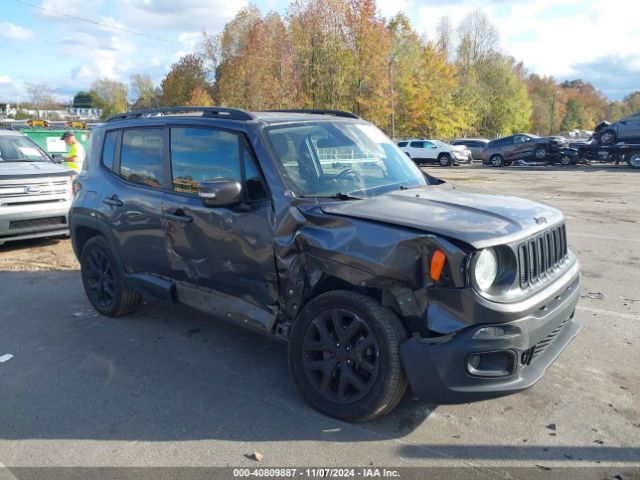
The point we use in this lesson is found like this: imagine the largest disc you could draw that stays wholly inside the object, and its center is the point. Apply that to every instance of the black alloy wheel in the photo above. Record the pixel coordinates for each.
(103, 282)
(344, 356)
(341, 356)
(99, 279)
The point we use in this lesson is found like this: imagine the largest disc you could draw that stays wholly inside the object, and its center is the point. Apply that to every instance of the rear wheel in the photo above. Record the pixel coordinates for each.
(634, 160)
(496, 161)
(344, 356)
(102, 281)
(540, 153)
(444, 159)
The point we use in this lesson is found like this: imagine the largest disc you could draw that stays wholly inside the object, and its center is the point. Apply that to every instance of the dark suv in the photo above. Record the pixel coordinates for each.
(318, 230)
(524, 146)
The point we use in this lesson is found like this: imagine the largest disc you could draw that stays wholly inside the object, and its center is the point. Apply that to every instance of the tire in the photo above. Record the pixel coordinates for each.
(634, 160)
(444, 159)
(496, 161)
(608, 137)
(102, 281)
(566, 160)
(540, 153)
(355, 375)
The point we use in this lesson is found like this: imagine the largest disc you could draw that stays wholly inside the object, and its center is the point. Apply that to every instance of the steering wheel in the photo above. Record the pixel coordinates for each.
(345, 172)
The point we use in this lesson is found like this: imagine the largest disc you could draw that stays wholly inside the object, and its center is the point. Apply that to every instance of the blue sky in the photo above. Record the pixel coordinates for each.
(589, 39)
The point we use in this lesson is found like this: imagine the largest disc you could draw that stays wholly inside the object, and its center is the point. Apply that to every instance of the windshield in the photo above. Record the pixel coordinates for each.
(328, 159)
(439, 143)
(20, 149)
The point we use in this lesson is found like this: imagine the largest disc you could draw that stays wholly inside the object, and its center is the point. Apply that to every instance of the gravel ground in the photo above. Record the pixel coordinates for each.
(171, 387)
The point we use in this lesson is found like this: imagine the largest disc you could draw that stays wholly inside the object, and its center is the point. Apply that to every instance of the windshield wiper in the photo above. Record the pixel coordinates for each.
(337, 196)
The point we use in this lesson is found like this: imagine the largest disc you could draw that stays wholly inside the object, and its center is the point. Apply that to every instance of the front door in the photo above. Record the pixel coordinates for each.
(226, 249)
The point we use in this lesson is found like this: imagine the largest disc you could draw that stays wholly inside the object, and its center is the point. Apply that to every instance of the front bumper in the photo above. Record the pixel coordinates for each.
(438, 368)
(34, 221)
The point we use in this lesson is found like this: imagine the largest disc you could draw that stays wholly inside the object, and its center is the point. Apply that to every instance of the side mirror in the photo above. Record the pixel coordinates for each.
(56, 157)
(220, 193)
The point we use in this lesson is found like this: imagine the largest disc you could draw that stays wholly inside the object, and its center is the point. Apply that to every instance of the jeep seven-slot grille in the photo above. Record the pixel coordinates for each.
(541, 254)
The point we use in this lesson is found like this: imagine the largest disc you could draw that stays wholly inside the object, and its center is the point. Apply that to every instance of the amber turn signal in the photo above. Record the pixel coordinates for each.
(437, 264)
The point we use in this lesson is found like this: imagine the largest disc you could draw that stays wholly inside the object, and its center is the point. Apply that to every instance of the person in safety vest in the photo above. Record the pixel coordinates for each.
(77, 153)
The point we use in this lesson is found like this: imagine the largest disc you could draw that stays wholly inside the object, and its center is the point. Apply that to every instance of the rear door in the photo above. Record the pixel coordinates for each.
(132, 194)
(226, 249)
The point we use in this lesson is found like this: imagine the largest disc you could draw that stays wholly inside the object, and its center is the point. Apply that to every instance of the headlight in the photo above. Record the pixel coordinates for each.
(486, 268)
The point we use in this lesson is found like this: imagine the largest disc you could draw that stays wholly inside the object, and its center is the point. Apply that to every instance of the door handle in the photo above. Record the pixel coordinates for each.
(113, 200)
(177, 216)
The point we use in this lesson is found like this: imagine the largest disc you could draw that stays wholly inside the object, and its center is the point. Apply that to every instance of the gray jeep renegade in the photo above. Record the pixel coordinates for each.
(313, 227)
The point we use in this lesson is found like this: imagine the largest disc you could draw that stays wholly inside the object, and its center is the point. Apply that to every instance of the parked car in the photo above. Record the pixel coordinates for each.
(435, 151)
(35, 193)
(524, 146)
(316, 229)
(475, 145)
(624, 130)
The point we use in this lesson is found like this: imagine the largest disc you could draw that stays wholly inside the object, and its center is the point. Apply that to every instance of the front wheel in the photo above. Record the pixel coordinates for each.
(496, 161)
(344, 356)
(566, 160)
(102, 281)
(634, 160)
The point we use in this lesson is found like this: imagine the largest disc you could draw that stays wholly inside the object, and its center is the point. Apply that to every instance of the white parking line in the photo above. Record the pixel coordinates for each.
(604, 237)
(630, 316)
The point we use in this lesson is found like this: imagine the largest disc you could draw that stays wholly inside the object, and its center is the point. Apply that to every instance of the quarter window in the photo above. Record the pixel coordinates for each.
(141, 156)
(109, 149)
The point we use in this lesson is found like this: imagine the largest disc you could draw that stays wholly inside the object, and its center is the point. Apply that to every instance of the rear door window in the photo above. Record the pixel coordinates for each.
(142, 156)
(416, 144)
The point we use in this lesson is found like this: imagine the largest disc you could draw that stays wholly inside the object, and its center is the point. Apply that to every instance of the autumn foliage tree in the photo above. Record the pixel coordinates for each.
(184, 77)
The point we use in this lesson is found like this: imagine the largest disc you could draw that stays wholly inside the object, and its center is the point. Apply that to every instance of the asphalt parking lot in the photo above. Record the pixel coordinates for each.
(171, 387)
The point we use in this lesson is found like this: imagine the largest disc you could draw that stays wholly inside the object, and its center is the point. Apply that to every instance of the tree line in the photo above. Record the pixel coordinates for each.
(342, 54)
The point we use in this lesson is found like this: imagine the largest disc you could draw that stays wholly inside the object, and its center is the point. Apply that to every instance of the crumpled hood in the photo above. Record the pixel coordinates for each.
(27, 169)
(477, 219)
(458, 148)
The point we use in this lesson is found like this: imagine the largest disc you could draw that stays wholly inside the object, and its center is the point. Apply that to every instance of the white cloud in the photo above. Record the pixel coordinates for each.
(5, 80)
(14, 32)
(389, 8)
(189, 15)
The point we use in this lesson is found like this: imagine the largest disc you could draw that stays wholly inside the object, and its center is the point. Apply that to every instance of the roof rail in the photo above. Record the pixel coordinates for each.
(219, 112)
(316, 111)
